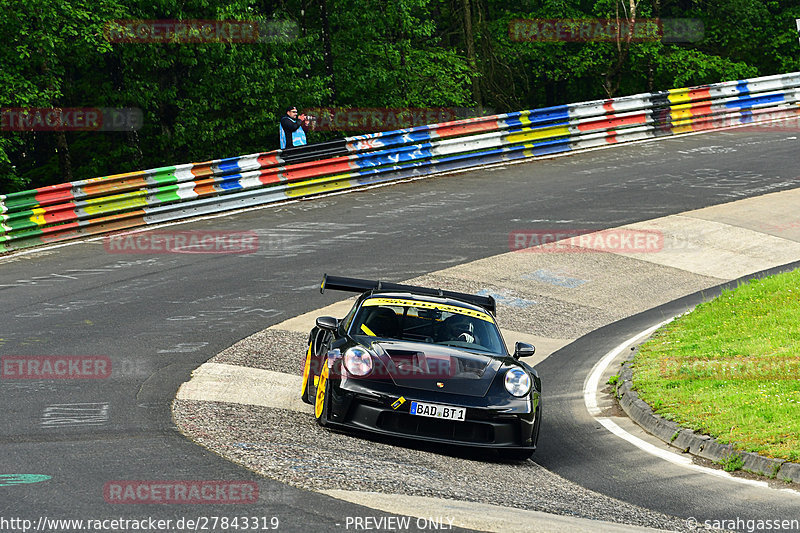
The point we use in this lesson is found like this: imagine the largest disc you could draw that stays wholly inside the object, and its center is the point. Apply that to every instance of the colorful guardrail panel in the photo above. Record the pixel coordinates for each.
(112, 203)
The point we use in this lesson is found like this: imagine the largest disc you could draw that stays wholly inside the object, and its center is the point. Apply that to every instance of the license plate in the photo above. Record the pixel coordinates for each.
(438, 411)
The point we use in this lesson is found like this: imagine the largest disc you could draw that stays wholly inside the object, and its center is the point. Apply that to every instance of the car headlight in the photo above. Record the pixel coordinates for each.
(518, 382)
(358, 361)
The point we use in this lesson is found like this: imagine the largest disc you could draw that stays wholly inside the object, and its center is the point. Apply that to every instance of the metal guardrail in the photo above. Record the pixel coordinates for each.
(110, 203)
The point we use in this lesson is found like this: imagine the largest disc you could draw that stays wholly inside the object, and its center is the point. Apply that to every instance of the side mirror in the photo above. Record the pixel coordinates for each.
(327, 323)
(523, 349)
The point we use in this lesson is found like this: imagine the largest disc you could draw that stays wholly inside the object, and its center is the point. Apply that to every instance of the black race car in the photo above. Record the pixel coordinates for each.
(423, 364)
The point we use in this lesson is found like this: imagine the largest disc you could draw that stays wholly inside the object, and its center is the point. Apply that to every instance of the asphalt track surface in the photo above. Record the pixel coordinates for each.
(159, 316)
(578, 448)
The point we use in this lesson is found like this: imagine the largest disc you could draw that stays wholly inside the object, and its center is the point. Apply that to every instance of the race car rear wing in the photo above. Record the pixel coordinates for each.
(338, 283)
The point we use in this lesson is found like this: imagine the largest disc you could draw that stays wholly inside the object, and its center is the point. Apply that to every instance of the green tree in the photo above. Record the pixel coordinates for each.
(49, 43)
(391, 55)
(199, 101)
(211, 100)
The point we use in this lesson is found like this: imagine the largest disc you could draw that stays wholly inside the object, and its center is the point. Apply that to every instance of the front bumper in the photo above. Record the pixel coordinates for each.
(352, 407)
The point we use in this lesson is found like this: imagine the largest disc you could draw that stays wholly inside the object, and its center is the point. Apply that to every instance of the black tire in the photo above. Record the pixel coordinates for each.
(319, 340)
(311, 391)
(308, 392)
(322, 419)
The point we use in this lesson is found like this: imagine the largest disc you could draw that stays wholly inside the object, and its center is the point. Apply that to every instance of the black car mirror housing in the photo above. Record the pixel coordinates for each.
(523, 349)
(327, 323)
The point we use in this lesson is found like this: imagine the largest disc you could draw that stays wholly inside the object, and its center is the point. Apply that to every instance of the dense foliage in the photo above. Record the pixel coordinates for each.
(207, 100)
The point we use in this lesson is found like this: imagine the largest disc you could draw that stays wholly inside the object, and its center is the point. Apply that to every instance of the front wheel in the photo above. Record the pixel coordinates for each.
(322, 400)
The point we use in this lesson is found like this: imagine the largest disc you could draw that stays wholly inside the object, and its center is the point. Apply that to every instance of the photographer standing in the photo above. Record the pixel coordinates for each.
(292, 128)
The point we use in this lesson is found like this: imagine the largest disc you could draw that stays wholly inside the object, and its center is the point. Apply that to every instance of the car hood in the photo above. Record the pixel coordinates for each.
(437, 368)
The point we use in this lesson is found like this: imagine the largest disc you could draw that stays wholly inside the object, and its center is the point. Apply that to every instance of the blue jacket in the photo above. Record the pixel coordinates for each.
(291, 129)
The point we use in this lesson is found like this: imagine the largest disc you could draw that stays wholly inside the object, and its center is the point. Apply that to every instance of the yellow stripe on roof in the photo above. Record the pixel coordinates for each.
(429, 305)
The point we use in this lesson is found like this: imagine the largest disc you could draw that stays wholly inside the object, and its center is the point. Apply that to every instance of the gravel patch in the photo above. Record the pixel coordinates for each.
(269, 349)
(291, 448)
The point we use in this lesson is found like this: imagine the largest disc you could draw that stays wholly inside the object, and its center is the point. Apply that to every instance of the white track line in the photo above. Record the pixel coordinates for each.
(590, 400)
(593, 381)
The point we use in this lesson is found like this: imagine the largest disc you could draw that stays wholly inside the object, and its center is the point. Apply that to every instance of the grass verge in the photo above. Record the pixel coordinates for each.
(731, 368)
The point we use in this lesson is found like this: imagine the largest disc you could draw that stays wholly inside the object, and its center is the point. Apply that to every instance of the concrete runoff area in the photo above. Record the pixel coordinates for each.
(736, 251)
(534, 291)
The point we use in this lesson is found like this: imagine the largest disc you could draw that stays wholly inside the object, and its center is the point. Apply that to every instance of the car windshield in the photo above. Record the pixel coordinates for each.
(429, 322)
